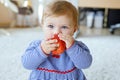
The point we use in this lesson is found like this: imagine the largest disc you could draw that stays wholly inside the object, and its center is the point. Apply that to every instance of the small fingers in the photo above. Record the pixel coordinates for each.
(63, 37)
(51, 41)
(52, 47)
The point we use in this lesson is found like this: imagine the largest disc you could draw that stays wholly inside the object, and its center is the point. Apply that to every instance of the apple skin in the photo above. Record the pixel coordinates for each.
(61, 48)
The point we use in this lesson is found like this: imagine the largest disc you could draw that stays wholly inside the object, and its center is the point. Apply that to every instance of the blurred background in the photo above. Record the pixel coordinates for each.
(99, 29)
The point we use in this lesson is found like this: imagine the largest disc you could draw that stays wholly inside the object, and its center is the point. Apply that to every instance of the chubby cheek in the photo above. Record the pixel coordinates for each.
(69, 32)
(47, 34)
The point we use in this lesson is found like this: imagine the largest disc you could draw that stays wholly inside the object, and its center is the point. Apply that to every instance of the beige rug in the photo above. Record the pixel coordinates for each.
(104, 49)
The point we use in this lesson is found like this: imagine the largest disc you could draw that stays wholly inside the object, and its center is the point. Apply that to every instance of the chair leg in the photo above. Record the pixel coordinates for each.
(111, 30)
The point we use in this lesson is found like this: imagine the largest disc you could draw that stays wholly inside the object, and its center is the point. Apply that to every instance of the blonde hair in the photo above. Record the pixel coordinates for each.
(59, 8)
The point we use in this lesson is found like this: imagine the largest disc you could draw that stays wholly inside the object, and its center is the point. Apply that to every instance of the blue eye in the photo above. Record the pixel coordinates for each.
(50, 26)
(64, 27)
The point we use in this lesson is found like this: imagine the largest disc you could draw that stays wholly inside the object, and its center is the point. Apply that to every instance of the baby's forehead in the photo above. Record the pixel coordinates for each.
(58, 16)
(59, 20)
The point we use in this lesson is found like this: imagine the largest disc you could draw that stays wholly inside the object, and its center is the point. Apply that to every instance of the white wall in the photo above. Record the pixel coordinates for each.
(74, 2)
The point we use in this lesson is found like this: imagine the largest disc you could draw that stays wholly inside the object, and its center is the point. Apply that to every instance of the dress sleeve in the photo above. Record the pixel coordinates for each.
(33, 56)
(80, 55)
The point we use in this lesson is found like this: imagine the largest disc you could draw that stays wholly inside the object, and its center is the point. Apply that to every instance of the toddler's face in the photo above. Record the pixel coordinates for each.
(58, 24)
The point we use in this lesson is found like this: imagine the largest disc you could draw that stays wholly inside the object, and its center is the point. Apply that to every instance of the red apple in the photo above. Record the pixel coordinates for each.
(61, 48)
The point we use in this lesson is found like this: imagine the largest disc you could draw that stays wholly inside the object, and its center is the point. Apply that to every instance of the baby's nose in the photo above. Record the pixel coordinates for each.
(57, 31)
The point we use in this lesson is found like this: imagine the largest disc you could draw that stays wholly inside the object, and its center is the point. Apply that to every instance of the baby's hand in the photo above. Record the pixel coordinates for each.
(49, 45)
(68, 39)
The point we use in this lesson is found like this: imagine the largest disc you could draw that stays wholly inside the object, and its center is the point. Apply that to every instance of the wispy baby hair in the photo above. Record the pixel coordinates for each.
(59, 8)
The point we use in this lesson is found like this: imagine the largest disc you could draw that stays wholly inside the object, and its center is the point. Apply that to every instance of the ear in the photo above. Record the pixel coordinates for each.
(75, 29)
